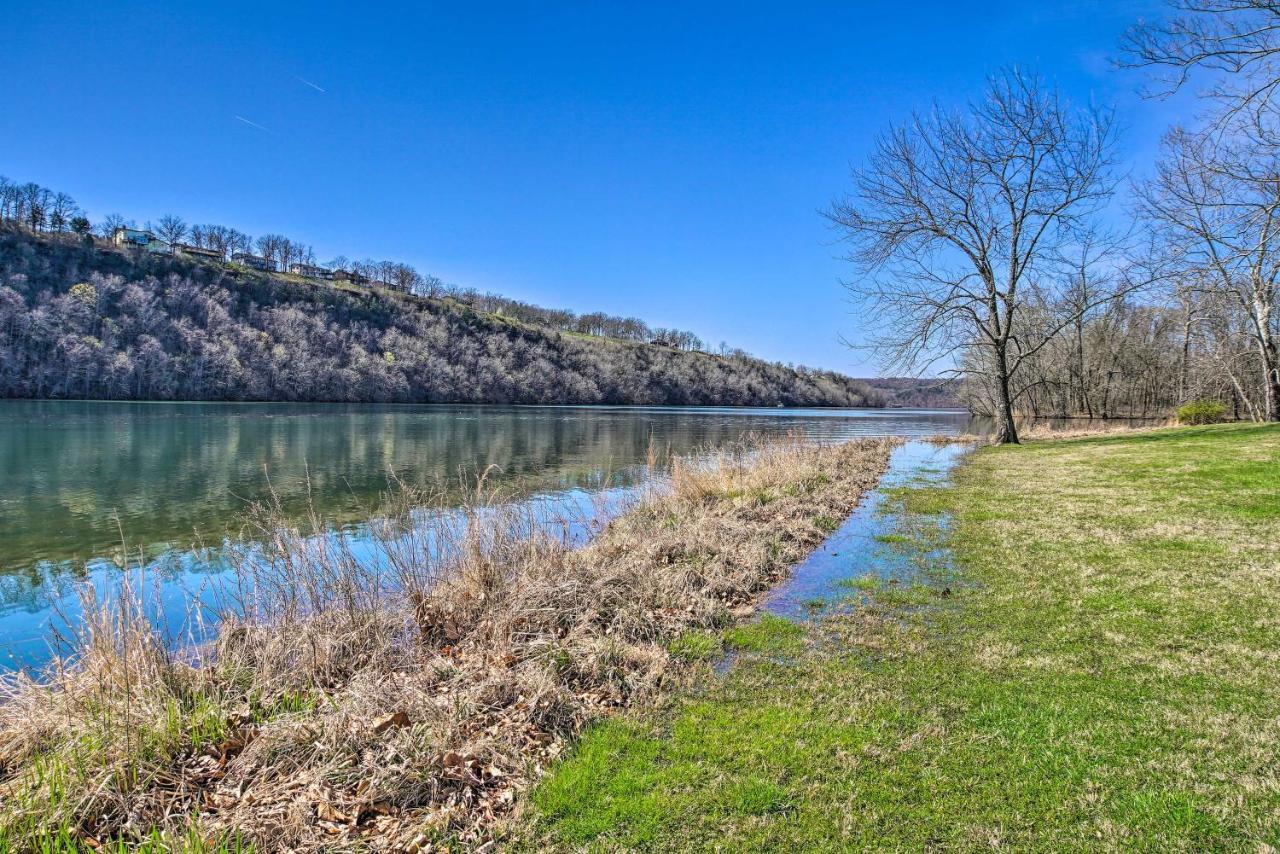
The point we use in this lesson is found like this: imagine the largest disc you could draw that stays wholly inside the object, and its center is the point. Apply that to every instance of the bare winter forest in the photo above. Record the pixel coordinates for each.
(79, 319)
(1003, 242)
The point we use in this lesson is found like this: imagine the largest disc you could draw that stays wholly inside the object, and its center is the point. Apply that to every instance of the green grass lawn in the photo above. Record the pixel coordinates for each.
(1099, 669)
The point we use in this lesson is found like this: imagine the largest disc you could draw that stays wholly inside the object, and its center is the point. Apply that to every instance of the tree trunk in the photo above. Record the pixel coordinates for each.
(1083, 404)
(1270, 381)
(1185, 375)
(1007, 430)
(1262, 307)
(1239, 392)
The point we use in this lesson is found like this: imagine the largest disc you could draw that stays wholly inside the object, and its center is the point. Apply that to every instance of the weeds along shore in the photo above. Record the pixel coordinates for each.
(407, 704)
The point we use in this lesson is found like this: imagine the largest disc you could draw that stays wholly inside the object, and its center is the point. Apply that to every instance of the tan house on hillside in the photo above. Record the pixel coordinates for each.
(310, 271)
(349, 276)
(253, 262)
(188, 251)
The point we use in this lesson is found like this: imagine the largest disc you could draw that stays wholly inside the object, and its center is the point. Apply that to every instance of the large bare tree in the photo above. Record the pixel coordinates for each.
(961, 220)
(1217, 202)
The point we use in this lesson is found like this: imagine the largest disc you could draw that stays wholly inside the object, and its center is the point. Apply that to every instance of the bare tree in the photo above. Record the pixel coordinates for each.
(959, 217)
(428, 286)
(405, 278)
(1235, 42)
(110, 223)
(271, 247)
(34, 201)
(238, 241)
(1217, 202)
(171, 228)
(8, 198)
(219, 238)
(62, 209)
(290, 252)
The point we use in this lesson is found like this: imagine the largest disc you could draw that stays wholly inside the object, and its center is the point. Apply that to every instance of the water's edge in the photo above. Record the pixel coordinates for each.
(864, 544)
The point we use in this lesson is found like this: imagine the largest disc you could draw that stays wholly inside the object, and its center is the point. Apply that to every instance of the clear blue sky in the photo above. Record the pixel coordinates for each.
(659, 160)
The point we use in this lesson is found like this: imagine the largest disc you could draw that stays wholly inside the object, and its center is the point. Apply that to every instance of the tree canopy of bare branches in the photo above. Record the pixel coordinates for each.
(961, 220)
(172, 228)
(1234, 42)
(1216, 203)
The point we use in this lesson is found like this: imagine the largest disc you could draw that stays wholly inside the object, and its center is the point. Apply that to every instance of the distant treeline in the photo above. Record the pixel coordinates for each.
(919, 392)
(79, 320)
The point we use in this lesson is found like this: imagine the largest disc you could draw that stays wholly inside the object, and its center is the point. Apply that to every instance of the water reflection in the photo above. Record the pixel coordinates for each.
(78, 478)
(79, 475)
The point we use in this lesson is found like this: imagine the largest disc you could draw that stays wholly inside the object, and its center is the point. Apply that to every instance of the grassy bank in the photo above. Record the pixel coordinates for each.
(1097, 669)
(399, 707)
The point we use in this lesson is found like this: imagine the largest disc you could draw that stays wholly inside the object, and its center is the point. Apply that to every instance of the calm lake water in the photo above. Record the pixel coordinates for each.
(78, 479)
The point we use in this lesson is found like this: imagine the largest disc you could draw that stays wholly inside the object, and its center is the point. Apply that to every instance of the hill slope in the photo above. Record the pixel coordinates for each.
(918, 392)
(92, 322)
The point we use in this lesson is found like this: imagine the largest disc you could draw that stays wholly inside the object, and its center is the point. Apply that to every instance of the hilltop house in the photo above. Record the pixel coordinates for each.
(310, 271)
(253, 262)
(349, 276)
(188, 251)
(136, 238)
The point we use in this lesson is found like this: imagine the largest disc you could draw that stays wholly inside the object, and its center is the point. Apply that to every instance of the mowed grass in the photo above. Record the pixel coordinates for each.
(1100, 670)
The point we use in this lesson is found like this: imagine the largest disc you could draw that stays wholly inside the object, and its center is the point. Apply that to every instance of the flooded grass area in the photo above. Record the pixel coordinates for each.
(1091, 667)
(876, 547)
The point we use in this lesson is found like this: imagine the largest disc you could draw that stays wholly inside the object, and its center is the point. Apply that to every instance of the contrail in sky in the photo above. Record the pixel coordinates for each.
(307, 82)
(253, 124)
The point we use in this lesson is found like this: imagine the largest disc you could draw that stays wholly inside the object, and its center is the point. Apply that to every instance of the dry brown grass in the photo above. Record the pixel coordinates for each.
(392, 707)
(1035, 432)
(942, 440)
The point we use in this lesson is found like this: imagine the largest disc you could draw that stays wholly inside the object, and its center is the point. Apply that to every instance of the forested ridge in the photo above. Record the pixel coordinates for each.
(80, 320)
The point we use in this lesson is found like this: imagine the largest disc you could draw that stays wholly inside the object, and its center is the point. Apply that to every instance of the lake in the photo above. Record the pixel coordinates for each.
(81, 481)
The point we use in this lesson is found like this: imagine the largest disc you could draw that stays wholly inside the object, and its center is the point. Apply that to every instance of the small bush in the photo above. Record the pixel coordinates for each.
(1201, 412)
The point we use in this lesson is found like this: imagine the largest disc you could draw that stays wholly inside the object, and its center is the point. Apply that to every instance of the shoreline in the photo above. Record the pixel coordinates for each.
(422, 719)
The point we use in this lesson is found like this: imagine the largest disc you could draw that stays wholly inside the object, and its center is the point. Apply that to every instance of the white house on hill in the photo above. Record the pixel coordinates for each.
(136, 238)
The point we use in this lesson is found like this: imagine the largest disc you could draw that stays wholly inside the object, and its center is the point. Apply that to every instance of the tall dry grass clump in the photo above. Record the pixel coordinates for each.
(399, 701)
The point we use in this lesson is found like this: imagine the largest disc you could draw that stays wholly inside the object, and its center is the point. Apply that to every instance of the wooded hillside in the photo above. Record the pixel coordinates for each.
(918, 392)
(82, 320)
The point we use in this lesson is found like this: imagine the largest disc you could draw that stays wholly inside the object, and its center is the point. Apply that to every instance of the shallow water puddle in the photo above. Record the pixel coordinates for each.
(866, 544)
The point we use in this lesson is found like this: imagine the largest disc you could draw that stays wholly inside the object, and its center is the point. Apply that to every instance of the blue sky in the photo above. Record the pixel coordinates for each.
(659, 160)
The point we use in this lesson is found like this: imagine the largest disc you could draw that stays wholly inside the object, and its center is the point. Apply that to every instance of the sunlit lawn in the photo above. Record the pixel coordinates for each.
(1103, 671)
